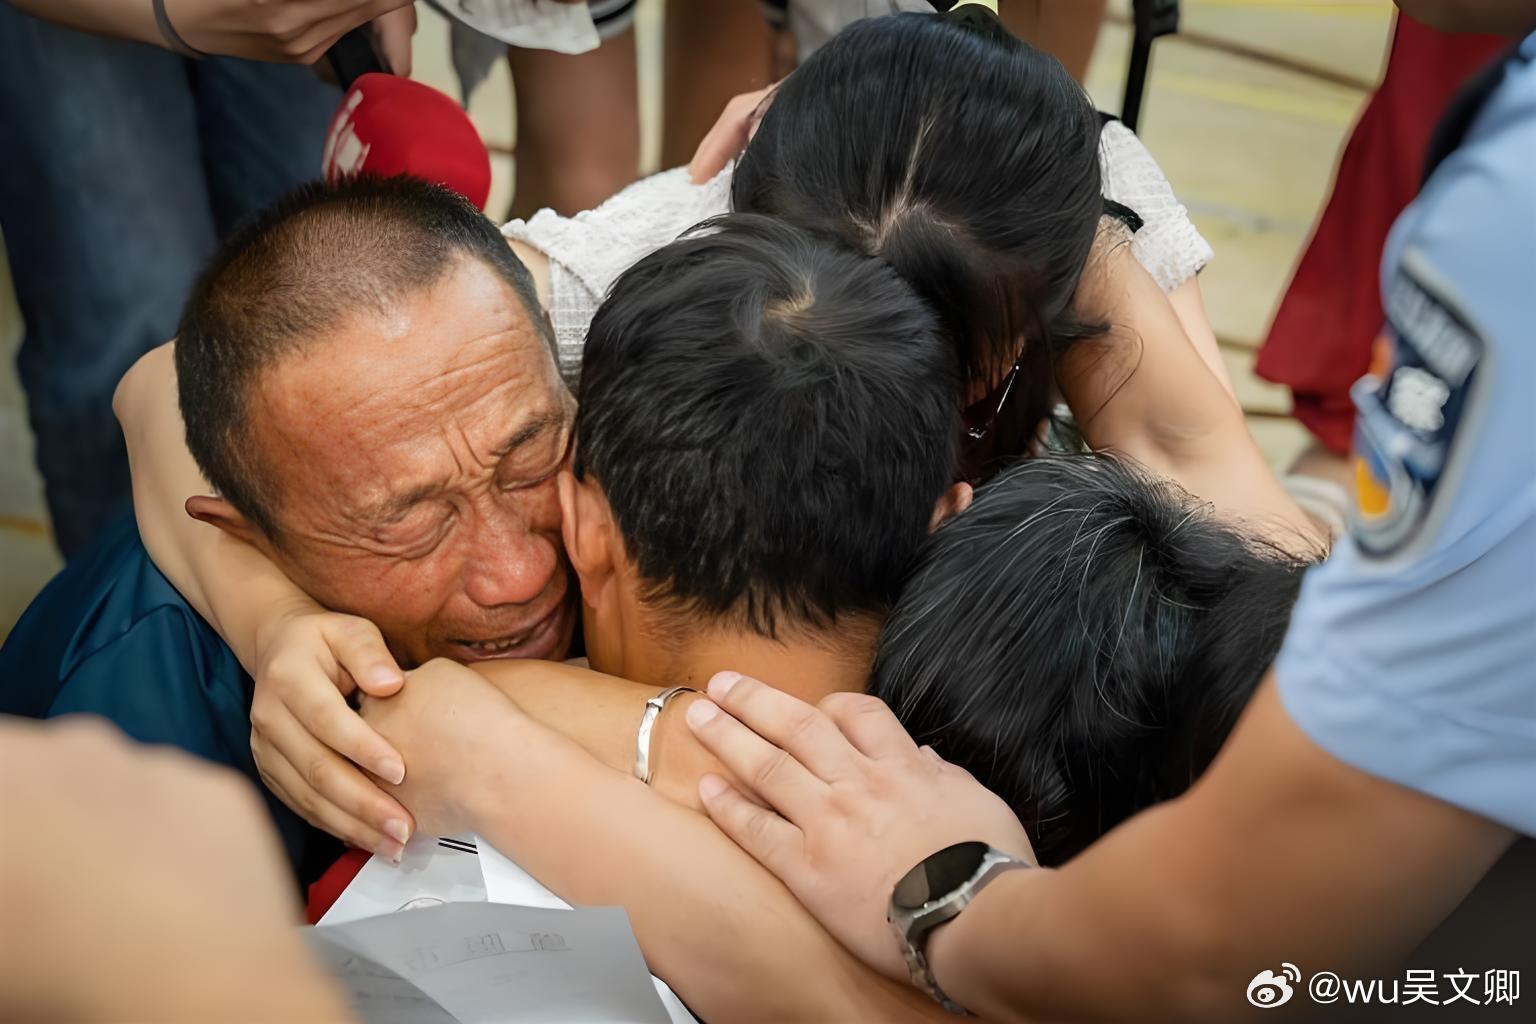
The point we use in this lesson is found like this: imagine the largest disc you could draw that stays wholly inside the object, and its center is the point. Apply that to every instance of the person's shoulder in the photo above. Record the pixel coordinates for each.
(1491, 161)
(596, 246)
(108, 604)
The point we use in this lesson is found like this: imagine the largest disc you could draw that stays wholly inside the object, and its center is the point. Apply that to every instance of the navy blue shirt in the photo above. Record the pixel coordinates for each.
(111, 636)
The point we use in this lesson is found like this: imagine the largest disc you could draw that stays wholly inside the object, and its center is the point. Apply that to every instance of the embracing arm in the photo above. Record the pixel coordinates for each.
(602, 713)
(306, 739)
(727, 936)
(298, 31)
(1189, 306)
(1144, 391)
(1230, 878)
(1279, 854)
(732, 941)
(229, 583)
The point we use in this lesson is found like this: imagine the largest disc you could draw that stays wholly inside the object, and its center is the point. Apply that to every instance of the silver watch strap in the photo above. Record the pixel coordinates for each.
(172, 38)
(653, 709)
(913, 929)
(923, 979)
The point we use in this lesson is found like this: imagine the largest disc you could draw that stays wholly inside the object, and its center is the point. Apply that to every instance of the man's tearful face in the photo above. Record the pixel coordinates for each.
(415, 453)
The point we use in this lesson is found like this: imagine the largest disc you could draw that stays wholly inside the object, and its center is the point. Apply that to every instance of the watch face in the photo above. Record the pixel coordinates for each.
(939, 875)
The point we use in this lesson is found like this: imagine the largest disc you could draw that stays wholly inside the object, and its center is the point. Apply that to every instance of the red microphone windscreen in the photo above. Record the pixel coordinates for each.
(389, 125)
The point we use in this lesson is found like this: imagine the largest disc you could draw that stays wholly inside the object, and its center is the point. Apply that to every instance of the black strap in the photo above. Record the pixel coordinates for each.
(354, 55)
(1467, 104)
(1124, 214)
(173, 40)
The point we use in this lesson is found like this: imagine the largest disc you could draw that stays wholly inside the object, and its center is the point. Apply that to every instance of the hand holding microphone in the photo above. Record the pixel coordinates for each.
(282, 31)
(292, 31)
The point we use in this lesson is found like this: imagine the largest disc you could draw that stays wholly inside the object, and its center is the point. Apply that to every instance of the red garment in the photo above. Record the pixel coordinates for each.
(1320, 341)
(327, 889)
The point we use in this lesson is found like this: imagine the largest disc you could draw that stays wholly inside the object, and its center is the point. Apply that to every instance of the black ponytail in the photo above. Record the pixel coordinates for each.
(966, 160)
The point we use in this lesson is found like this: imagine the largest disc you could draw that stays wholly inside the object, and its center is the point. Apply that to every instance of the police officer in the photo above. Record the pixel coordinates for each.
(1386, 762)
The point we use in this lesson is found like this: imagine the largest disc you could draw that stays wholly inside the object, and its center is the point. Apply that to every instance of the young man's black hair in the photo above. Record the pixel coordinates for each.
(1082, 639)
(771, 418)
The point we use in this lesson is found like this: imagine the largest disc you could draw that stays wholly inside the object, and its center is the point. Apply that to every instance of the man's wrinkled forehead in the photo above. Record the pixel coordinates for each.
(455, 372)
(533, 441)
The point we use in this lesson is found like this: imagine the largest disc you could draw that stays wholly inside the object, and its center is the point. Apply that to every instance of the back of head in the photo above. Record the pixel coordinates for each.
(959, 155)
(282, 279)
(771, 419)
(1082, 639)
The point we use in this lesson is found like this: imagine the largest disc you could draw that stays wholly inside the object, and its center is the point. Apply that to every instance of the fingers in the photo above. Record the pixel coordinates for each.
(775, 843)
(806, 733)
(392, 32)
(328, 791)
(359, 648)
(763, 768)
(727, 137)
(324, 716)
(869, 724)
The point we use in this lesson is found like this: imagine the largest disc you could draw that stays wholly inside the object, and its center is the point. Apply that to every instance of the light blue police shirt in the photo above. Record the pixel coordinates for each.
(1412, 651)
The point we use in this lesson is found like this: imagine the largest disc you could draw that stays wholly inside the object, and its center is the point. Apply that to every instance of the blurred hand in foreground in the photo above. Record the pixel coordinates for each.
(140, 884)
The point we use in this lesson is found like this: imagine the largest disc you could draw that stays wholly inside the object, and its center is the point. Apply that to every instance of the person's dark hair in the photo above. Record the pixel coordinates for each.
(966, 160)
(291, 272)
(1082, 639)
(771, 418)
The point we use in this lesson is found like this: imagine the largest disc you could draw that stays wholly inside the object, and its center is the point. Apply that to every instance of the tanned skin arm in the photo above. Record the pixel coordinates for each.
(731, 940)
(242, 595)
(1189, 306)
(1145, 392)
(229, 583)
(566, 826)
(723, 932)
(1348, 861)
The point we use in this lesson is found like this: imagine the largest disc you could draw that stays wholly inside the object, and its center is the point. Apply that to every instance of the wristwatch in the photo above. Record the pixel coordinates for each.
(935, 891)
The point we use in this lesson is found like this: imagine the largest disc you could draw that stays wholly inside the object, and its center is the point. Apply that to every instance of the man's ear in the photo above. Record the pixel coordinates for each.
(587, 526)
(951, 503)
(215, 511)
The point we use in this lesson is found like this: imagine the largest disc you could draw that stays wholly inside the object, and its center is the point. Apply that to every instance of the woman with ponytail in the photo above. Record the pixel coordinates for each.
(1042, 232)
(977, 169)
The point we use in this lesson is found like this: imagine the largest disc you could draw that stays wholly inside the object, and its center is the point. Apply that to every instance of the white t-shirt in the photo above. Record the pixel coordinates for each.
(589, 251)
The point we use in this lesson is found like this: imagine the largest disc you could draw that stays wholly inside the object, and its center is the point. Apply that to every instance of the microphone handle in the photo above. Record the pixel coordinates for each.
(354, 55)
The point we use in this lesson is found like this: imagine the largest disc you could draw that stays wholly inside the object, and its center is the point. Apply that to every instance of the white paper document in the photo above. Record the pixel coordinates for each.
(433, 870)
(506, 882)
(489, 963)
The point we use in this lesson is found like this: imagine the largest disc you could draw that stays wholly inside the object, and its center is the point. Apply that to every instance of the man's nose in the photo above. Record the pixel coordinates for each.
(508, 562)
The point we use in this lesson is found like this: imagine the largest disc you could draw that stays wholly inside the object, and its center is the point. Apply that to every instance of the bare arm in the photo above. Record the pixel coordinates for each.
(1386, 862)
(1189, 306)
(230, 584)
(602, 714)
(732, 941)
(299, 653)
(723, 932)
(1146, 392)
(1281, 853)
(296, 31)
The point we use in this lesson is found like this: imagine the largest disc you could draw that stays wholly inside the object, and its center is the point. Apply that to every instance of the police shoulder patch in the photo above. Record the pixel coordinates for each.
(1412, 406)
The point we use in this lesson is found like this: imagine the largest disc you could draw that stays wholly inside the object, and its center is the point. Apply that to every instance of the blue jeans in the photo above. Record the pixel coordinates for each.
(121, 165)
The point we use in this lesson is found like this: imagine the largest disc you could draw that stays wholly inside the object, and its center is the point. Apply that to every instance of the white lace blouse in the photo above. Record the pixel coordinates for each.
(589, 251)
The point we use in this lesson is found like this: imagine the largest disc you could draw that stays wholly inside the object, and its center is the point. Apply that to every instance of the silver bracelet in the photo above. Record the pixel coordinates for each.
(648, 718)
(173, 40)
